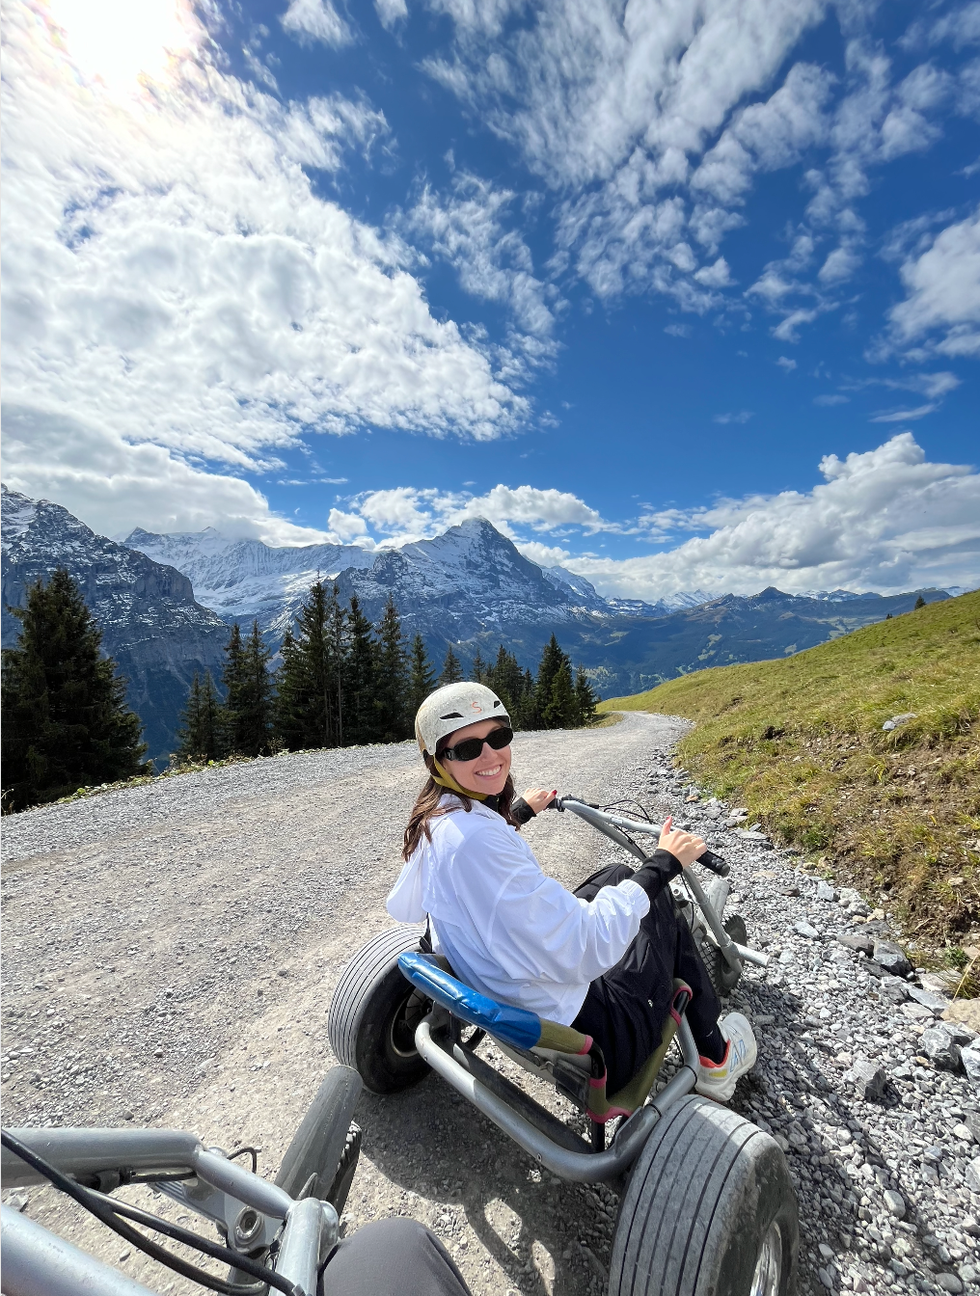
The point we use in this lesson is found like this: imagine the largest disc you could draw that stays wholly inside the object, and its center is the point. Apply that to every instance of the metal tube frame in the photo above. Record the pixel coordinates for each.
(467, 1076)
(46, 1265)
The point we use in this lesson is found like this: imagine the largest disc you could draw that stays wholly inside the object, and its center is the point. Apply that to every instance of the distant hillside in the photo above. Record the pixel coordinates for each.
(800, 741)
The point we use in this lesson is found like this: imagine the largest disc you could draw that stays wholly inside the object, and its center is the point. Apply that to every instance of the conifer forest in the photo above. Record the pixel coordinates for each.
(337, 681)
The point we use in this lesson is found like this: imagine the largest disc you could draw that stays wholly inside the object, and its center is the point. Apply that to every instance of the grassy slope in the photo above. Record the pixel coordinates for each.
(799, 741)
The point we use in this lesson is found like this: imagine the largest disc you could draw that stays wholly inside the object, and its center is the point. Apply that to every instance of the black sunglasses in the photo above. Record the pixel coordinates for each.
(470, 748)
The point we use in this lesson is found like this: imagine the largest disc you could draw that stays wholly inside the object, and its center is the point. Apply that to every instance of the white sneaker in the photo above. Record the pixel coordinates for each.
(717, 1079)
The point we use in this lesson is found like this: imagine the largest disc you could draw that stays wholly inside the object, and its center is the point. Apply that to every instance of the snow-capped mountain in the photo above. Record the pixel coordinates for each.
(150, 621)
(663, 606)
(469, 587)
(472, 566)
(246, 579)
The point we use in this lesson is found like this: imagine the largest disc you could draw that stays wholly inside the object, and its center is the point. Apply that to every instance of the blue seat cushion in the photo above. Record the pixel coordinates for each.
(515, 1026)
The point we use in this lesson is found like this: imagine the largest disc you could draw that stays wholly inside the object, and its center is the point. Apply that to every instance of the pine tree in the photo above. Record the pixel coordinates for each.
(201, 734)
(919, 602)
(391, 720)
(65, 720)
(233, 679)
(506, 678)
(586, 699)
(452, 672)
(308, 683)
(248, 706)
(478, 671)
(528, 706)
(360, 675)
(552, 661)
(421, 680)
(561, 711)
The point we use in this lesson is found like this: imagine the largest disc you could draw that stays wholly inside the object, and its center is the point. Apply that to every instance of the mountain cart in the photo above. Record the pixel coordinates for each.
(707, 1205)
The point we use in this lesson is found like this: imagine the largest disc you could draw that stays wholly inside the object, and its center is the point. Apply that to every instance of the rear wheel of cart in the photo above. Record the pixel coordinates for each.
(374, 1013)
(709, 1209)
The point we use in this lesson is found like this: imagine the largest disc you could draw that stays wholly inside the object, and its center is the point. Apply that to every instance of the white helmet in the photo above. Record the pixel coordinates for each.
(452, 707)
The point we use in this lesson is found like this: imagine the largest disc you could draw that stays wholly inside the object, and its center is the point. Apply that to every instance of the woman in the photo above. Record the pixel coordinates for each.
(602, 959)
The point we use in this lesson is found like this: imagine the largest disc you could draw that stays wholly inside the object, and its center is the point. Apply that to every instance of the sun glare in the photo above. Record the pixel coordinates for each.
(124, 42)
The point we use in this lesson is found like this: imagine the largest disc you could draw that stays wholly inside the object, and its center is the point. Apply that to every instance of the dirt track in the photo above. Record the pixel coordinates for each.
(170, 954)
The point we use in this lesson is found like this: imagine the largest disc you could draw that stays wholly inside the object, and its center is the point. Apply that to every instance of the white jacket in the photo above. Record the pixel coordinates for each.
(507, 929)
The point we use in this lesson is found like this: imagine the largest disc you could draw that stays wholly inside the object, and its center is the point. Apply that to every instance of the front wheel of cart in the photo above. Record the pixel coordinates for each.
(709, 1210)
(723, 976)
(374, 1013)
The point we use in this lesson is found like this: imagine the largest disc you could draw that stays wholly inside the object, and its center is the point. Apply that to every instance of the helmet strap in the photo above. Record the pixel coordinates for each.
(446, 780)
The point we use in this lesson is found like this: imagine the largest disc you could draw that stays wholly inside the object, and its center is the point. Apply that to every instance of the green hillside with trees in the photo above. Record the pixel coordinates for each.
(800, 742)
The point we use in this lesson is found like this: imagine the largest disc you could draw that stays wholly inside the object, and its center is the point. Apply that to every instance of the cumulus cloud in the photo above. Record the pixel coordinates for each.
(316, 20)
(403, 514)
(884, 519)
(114, 485)
(942, 308)
(170, 276)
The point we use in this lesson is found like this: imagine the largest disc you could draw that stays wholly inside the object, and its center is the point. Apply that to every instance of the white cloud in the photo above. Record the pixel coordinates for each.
(345, 527)
(316, 20)
(466, 228)
(786, 363)
(171, 278)
(902, 415)
(885, 519)
(943, 286)
(114, 486)
(831, 398)
(741, 416)
(403, 514)
(391, 12)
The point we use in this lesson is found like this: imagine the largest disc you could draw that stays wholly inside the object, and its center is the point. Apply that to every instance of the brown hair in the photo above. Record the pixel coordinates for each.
(427, 807)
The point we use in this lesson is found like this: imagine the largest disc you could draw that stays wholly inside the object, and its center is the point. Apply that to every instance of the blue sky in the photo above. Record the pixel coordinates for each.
(680, 295)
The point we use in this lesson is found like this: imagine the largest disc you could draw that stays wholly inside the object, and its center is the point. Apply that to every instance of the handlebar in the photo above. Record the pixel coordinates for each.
(613, 826)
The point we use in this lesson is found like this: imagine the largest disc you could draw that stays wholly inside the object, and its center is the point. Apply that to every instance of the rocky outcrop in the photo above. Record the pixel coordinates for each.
(151, 624)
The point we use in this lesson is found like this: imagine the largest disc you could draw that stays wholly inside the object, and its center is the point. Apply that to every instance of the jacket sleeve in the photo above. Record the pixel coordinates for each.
(654, 875)
(531, 925)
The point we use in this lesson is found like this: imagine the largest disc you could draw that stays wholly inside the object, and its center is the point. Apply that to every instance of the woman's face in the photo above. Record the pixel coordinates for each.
(488, 773)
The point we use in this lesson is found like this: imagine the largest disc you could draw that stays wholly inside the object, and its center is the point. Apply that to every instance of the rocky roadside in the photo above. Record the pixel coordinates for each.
(170, 953)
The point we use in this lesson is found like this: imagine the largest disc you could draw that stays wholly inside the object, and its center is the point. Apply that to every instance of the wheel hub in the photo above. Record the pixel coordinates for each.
(769, 1266)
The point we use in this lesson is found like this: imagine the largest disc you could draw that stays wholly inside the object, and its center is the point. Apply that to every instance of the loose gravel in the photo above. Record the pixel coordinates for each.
(170, 952)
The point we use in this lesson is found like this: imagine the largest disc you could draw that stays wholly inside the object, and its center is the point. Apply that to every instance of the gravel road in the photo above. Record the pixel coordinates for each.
(170, 953)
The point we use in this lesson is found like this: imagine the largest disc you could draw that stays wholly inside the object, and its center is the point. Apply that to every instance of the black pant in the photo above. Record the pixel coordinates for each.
(625, 1009)
(392, 1257)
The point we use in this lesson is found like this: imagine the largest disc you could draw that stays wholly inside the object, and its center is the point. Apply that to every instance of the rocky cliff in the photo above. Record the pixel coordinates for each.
(150, 621)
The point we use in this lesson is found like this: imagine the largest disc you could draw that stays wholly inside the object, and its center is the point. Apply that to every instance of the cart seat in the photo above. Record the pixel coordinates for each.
(575, 1060)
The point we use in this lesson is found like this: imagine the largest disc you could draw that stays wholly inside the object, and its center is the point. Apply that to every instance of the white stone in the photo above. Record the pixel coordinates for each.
(894, 1203)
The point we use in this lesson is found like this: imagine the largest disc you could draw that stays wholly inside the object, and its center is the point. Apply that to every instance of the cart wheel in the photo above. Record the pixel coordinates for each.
(325, 1148)
(374, 1013)
(709, 1209)
(322, 1157)
(722, 975)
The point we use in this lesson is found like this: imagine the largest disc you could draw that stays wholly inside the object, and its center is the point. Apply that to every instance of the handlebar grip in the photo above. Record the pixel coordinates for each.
(714, 862)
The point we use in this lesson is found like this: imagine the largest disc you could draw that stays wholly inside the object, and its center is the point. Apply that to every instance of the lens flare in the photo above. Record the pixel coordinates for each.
(124, 44)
